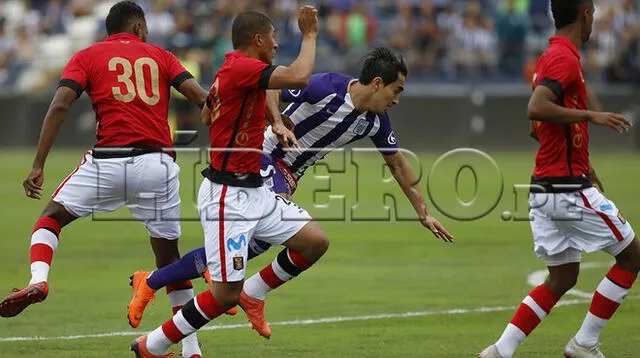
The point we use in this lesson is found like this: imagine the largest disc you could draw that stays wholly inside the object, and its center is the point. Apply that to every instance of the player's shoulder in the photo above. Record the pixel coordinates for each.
(327, 83)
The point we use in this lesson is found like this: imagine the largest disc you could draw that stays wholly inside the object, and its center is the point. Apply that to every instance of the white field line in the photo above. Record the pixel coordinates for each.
(305, 321)
(533, 279)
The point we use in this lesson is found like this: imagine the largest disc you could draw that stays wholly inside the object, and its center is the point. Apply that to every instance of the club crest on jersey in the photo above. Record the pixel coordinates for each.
(238, 263)
(622, 219)
(361, 127)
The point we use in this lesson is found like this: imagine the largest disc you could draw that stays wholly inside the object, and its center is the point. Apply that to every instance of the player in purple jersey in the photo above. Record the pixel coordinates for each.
(332, 111)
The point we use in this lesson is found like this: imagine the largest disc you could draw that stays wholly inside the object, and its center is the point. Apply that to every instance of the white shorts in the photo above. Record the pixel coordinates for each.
(147, 184)
(566, 224)
(232, 216)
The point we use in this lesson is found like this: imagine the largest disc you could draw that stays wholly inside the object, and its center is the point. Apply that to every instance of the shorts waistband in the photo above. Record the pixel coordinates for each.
(559, 184)
(247, 180)
(125, 152)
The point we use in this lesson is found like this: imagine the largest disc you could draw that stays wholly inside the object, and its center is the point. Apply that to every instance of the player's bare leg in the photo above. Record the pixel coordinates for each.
(608, 297)
(194, 315)
(179, 293)
(44, 241)
(302, 251)
(533, 309)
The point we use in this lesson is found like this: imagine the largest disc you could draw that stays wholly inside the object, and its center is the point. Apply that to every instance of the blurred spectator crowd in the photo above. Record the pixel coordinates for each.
(441, 40)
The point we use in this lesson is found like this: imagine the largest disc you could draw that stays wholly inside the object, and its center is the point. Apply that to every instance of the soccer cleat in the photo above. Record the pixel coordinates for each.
(207, 277)
(16, 302)
(139, 347)
(142, 294)
(193, 356)
(574, 350)
(254, 308)
(490, 352)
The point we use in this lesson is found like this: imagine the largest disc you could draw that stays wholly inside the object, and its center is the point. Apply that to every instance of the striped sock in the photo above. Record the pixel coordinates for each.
(287, 265)
(193, 316)
(608, 297)
(180, 294)
(44, 241)
(533, 309)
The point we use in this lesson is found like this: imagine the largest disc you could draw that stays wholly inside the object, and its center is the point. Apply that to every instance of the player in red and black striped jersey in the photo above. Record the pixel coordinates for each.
(128, 81)
(568, 214)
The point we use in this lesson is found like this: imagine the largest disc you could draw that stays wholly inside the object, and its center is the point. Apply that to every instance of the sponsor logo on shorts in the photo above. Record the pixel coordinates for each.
(606, 207)
(236, 244)
(238, 263)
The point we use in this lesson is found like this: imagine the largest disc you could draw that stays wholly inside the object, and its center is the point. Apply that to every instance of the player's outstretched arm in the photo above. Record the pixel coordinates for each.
(193, 91)
(58, 109)
(543, 107)
(408, 181)
(298, 73)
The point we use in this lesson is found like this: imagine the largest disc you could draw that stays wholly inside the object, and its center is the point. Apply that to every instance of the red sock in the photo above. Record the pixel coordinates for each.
(44, 241)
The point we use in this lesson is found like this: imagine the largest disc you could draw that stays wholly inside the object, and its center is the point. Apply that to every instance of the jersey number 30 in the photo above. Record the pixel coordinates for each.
(125, 70)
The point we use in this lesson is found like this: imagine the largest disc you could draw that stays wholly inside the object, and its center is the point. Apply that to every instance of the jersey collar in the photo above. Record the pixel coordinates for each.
(563, 41)
(123, 36)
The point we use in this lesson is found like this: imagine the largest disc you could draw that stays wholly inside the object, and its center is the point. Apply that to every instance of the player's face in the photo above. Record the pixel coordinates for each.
(587, 16)
(387, 96)
(268, 46)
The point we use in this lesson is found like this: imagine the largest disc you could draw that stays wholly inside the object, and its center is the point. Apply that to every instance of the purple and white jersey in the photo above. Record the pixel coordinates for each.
(325, 118)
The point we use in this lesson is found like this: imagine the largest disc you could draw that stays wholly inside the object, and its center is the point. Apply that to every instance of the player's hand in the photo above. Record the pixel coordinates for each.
(287, 122)
(437, 228)
(286, 137)
(612, 120)
(595, 180)
(308, 20)
(33, 184)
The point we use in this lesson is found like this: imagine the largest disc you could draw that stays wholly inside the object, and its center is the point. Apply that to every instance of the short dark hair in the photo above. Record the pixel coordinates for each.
(382, 62)
(121, 15)
(565, 12)
(246, 25)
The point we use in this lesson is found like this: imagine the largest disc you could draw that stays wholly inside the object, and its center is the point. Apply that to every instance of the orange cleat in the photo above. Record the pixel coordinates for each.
(16, 302)
(142, 294)
(139, 347)
(254, 308)
(207, 277)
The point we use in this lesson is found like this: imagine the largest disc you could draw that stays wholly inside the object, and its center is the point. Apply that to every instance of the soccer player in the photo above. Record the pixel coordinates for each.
(128, 82)
(334, 110)
(233, 204)
(568, 214)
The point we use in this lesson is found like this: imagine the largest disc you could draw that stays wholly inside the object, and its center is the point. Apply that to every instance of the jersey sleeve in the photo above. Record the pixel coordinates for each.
(176, 71)
(75, 74)
(560, 74)
(251, 73)
(319, 87)
(384, 139)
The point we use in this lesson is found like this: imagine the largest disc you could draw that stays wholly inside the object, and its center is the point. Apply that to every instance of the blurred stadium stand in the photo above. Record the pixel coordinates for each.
(475, 52)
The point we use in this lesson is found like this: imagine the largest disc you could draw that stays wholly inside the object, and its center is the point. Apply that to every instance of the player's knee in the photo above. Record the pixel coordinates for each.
(58, 213)
(227, 295)
(629, 258)
(318, 242)
(560, 284)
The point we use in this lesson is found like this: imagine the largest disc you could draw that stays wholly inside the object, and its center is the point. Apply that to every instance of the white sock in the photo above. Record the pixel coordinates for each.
(157, 342)
(39, 272)
(179, 298)
(256, 287)
(510, 340)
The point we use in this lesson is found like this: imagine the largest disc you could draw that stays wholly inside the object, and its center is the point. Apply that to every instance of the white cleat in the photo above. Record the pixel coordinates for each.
(574, 350)
(490, 352)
